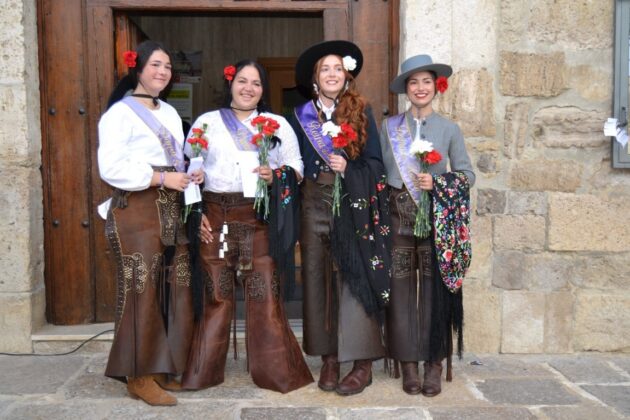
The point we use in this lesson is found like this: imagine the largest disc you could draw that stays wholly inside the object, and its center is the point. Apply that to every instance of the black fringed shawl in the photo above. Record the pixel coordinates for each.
(361, 235)
(451, 220)
(283, 225)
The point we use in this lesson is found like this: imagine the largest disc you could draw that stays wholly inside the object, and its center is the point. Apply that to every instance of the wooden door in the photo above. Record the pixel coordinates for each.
(79, 40)
(65, 163)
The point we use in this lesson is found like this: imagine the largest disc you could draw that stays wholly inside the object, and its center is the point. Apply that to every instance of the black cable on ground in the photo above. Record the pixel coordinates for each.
(59, 354)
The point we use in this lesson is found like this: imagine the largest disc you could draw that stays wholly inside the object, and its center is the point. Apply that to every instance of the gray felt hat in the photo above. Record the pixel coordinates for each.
(415, 64)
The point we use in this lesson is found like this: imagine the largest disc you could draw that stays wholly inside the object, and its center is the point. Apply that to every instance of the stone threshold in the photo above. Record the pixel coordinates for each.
(78, 333)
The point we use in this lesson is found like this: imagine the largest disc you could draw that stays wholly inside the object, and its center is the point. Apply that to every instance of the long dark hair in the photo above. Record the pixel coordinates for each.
(263, 104)
(130, 80)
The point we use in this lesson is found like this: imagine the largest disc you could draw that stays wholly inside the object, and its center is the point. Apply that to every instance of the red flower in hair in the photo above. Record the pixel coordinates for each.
(229, 72)
(441, 84)
(129, 57)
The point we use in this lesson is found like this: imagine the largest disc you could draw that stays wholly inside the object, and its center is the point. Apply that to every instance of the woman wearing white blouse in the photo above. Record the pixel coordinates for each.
(236, 243)
(140, 156)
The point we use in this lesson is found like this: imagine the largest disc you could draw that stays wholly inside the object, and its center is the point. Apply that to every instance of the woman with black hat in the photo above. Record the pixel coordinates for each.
(343, 312)
(426, 297)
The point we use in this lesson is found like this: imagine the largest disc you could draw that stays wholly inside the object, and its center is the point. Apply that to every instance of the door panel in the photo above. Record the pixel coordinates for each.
(65, 164)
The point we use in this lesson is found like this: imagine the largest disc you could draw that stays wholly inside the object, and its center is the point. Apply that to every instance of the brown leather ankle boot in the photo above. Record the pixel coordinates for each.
(329, 375)
(145, 388)
(432, 379)
(359, 377)
(167, 383)
(410, 378)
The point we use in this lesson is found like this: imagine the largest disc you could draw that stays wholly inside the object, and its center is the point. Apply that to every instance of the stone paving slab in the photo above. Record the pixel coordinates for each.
(481, 413)
(495, 366)
(622, 363)
(616, 396)
(381, 413)
(527, 392)
(587, 370)
(4, 404)
(37, 375)
(274, 413)
(582, 412)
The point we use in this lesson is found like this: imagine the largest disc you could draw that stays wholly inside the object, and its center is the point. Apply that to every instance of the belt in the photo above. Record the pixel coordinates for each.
(226, 199)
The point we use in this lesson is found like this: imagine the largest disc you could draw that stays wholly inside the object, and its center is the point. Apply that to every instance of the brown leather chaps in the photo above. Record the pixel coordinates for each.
(154, 309)
(335, 322)
(409, 313)
(274, 356)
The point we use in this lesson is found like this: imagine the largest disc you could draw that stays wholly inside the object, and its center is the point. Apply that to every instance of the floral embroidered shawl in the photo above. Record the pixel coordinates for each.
(451, 211)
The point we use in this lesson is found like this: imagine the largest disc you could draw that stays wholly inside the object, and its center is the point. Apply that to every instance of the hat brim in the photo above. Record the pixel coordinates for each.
(398, 85)
(306, 61)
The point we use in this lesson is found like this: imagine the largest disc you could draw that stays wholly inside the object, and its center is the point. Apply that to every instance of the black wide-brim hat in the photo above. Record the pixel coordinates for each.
(306, 61)
(414, 65)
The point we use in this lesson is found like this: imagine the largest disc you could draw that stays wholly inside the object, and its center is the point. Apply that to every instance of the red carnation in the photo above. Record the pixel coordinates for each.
(202, 142)
(229, 72)
(129, 57)
(256, 138)
(441, 84)
(268, 130)
(432, 157)
(197, 131)
(259, 120)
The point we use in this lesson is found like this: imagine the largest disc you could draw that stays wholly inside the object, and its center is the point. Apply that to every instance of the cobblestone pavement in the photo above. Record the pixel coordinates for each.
(571, 387)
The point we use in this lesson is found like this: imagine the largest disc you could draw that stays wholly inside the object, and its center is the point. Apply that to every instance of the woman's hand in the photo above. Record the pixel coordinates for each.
(176, 180)
(198, 176)
(266, 173)
(205, 231)
(338, 163)
(424, 181)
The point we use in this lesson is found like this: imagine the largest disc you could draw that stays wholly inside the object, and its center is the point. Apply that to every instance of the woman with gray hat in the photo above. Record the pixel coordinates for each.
(345, 255)
(427, 272)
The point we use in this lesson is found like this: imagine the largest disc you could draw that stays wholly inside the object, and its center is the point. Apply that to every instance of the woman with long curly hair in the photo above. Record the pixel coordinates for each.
(345, 257)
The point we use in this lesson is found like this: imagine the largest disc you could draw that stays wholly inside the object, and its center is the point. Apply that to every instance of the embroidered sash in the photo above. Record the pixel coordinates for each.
(174, 153)
(400, 139)
(307, 117)
(240, 134)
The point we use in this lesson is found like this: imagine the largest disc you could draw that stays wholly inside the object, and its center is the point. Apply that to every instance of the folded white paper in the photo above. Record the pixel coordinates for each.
(248, 161)
(610, 127)
(192, 193)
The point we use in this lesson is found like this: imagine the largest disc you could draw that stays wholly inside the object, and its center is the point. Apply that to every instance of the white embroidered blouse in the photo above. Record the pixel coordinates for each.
(128, 148)
(221, 168)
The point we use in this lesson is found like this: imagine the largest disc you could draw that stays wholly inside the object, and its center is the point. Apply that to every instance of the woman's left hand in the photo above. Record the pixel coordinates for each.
(197, 176)
(266, 173)
(424, 181)
(338, 163)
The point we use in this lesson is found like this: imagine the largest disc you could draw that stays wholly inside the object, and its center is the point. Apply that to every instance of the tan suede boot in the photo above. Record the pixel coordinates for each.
(145, 388)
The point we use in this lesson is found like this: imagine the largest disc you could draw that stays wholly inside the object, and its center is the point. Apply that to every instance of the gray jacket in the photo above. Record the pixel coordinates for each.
(446, 138)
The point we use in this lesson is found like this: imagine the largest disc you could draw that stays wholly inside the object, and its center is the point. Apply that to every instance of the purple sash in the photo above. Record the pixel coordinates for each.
(174, 153)
(240, 134)
(399, 137)
(307, 117)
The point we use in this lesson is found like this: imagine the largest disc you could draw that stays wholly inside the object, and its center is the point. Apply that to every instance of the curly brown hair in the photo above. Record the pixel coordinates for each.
(350, 109)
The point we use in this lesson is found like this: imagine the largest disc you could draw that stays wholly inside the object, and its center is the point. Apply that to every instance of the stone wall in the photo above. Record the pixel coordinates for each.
(22, 299)
(532, 86)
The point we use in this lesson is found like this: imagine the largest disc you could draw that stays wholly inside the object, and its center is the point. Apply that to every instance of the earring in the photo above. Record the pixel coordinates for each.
(346, 85)
(315, 88)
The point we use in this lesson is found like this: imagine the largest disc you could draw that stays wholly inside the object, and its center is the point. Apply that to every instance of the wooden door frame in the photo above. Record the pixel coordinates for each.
(97, 63)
